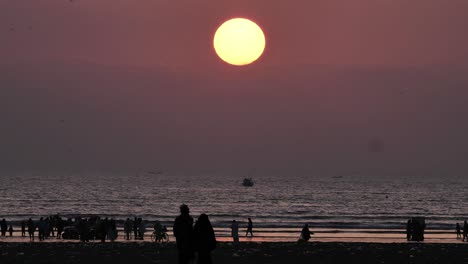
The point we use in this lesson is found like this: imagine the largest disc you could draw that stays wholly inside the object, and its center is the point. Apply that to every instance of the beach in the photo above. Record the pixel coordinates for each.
(313, 252)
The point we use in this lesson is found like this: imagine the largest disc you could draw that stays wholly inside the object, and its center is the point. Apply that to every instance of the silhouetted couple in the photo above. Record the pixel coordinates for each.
(415, 229)
(190, 239)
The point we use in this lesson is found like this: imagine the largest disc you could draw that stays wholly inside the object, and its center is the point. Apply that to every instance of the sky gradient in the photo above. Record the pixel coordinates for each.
(344, 87)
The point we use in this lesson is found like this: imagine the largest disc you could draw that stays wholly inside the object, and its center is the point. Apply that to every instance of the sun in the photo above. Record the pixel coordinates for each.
(239, 41)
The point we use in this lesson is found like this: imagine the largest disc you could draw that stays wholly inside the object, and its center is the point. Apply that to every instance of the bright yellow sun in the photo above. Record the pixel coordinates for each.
(239, 41)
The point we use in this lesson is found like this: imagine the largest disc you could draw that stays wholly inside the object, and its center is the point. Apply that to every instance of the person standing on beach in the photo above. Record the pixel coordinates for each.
(458, 229)
(135, 228)
(10, 230)
(235, 232)
(465, 231)
(205, 239)
(409, 230)
(128, 228)
(183, 232)
(305, 233)
(141, 228)
(249, 228)
(23, 228)
(59, 224)
(31, 229)
(3, 227)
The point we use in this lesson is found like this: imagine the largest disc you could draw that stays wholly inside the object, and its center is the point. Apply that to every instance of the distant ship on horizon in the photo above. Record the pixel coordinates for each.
(247, 182)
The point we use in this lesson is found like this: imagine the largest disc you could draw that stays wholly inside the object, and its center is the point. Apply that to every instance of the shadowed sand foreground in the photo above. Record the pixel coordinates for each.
(246, 253)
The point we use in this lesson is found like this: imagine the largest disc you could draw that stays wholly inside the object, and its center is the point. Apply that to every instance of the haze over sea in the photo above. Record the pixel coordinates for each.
(341, 202)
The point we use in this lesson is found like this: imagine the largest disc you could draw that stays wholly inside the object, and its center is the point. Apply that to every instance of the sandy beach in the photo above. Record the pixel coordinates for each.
(314, 252)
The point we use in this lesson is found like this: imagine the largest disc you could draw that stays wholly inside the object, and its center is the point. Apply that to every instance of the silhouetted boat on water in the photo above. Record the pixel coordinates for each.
(248, 182)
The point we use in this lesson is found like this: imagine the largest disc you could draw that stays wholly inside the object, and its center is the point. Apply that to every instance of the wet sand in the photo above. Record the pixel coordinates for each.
(314, 252)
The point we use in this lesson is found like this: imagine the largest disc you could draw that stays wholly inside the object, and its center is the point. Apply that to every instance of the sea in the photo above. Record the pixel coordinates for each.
(278, 205)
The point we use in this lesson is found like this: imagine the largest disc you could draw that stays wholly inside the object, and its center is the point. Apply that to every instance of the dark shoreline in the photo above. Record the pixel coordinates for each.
(315, 252)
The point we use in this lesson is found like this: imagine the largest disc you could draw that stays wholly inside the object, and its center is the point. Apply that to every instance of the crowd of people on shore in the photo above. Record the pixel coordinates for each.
(84, 229)
(102, 229)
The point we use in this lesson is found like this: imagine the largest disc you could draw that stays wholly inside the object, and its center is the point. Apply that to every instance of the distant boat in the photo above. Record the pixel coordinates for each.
(248, 182)
(158, 172)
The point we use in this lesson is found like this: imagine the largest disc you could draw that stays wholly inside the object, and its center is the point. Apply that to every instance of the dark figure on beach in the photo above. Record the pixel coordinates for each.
(135, 228)
(305, 233)
(112, 230)
(183, 232)
(3, 227)
(205, 240)
(128, 228)
(10, 230)
(83, 230)
(50, 230)
(409, 230)
(418, 231)
(103, 228)
(235, 232)
(465, 231)
(31, 229)
(141, 229)
(41, 228)
(60, 225)
(23, 228)
(249, 228)
(458, 229)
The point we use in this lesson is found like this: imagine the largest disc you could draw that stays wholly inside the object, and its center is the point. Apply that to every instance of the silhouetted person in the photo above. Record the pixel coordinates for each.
(83, 230)
(458, 229)
(3, 227)
(418, 231)
(205, 240)
(103, 229)
(41, 228)
(128, 228)
(31, 229)
(112, 230)
(465, 231)
(183, 232)
(135, 228)
(235, 232)
(60, 225)
(305, 233)
(23, 228)
(409, 230)
(10, 230)
(249, 228)
(141, 228)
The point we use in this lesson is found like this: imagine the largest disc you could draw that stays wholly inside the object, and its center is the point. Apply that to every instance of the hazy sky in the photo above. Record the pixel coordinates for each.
(344, 87)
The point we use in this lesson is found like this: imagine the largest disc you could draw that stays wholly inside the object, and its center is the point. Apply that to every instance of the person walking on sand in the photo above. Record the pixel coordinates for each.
(235, 232)
(205, 239)
(458, 229)
(305, 233)
(31, 229)
(465, 231)
(249, 228)
(183, 232)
